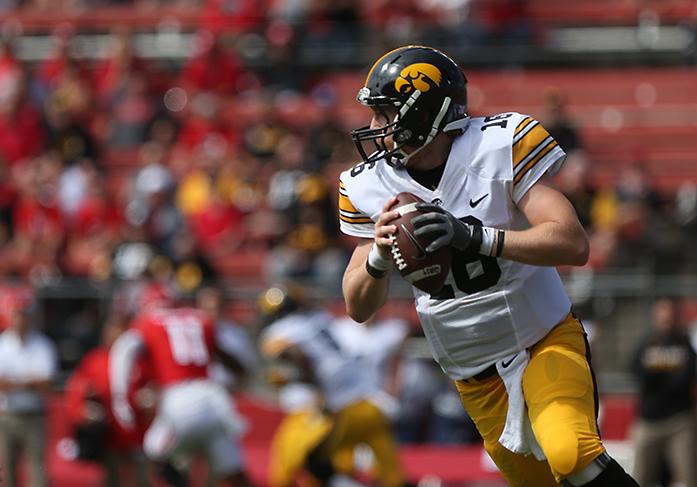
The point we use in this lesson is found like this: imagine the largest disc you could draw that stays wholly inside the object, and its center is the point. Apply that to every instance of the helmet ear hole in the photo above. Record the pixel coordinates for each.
(403, 135)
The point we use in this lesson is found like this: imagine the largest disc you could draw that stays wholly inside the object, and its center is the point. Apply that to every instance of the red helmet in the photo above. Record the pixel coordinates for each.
(156, 295)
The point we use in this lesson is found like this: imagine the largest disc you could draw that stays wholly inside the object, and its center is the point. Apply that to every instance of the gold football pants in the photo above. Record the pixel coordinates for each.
(296, 436)
(334, 437)
(560, 395)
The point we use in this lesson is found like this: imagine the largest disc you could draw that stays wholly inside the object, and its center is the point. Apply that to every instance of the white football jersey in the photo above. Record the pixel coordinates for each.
(489, 308)
(341, 374)
(378, 342)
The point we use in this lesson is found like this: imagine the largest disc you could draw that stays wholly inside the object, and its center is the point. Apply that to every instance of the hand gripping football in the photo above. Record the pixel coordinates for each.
(426, 271)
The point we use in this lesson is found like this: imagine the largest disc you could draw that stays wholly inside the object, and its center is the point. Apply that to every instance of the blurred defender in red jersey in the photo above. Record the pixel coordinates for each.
(195, 415)
(98, 435)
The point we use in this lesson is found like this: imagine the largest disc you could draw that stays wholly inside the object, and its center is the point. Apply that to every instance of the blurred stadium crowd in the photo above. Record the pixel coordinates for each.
(221, 169)
(121, 164)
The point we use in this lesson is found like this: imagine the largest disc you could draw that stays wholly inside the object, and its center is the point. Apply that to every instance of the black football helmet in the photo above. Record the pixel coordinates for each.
(280, 300)
(428, 91)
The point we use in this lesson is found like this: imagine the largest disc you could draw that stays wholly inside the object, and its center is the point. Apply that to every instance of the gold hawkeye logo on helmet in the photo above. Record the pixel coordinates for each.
(419, 76)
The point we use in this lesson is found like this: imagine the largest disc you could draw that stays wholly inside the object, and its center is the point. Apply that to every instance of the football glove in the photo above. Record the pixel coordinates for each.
(444, 229)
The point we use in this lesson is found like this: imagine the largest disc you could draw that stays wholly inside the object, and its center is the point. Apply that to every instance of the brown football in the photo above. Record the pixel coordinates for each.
(426, 271)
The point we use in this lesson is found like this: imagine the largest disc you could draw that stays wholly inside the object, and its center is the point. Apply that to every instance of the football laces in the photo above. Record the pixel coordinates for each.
(397, 256)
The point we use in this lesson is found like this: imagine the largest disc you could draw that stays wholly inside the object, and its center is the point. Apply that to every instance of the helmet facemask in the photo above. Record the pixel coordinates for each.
(413, 126)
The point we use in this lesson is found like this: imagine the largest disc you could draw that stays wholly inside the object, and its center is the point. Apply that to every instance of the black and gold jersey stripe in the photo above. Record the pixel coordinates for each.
(347, 212)
(531, 143)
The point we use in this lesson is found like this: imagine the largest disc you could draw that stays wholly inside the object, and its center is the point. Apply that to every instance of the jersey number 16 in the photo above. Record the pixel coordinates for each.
(472, 273)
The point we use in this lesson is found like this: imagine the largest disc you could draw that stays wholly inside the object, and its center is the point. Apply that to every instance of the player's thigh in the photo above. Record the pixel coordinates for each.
(561, 397)
(487, 404)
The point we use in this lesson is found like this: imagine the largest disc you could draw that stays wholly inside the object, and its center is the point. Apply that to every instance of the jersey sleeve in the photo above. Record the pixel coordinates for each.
(351, 220)
(534, 152)
(122, 359)
(276, 339)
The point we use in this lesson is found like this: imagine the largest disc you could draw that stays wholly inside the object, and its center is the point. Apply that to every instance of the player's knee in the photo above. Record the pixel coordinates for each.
(562, 453)
(158, 443)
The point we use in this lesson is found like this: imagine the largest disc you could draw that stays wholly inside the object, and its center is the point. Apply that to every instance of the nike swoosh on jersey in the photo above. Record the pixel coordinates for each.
(505, 363)
(475, 203)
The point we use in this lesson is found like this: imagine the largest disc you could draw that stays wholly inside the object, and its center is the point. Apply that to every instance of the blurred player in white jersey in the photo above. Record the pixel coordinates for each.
(320, 433)
(195, 415)
(379, 343)
(501, 326)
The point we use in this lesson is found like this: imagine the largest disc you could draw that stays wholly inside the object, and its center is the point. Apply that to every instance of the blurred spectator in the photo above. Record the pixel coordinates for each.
(191, 268)
(212, 50)
(8, 195)
(67, 113)
(13, 296)
(51, 69)
(37, 222)
(558, 122)
(204, 130)
(207, 197)
(21, 134)
(306, 247)
(451, 22)
(665, 364)
(507, 22)
(686, 217)
(262, 137)
(397, 19)
(132, 255)
(27, 367)
(132, 111)
(638, 205)
(152, 205)
(113, 72)
(574, 181)
(331, 29)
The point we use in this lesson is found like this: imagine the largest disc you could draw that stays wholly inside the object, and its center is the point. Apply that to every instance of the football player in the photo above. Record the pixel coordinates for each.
(318, 434)
(501, 326)
(98, 435)
(195, 415)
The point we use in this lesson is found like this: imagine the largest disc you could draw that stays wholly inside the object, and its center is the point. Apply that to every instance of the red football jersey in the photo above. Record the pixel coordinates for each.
(179, 343)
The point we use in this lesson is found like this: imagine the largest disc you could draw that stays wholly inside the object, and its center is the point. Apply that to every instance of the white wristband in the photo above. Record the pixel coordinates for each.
(488, 241)
(378, 261)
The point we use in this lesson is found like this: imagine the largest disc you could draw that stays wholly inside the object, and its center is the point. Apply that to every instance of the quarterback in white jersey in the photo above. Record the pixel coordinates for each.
(501, 326)
(511, 304)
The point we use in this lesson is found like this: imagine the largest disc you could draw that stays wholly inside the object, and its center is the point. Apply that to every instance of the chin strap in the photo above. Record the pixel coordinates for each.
(459, 124)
